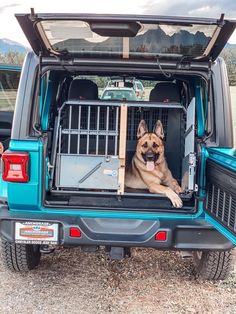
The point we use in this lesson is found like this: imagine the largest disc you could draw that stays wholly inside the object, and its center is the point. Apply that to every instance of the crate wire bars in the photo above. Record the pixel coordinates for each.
(89, 150)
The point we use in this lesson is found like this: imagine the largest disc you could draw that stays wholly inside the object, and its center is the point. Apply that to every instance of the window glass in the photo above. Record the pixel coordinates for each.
(9, 81)
(76, 37)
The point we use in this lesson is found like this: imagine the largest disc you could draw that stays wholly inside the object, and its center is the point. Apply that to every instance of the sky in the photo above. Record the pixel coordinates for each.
(10, 29)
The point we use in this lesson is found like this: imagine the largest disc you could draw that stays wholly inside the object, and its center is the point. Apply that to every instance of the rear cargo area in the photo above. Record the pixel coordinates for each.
(93, 144)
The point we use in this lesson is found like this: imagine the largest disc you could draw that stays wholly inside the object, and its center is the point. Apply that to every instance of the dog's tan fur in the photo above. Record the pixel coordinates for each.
(1, 148)
(160, 179)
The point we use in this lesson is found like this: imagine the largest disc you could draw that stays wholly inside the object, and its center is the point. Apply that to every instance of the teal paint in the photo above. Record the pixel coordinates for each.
(109, 214)
(27, 195)
(3, 188)
(11, 67)
(226, 158)
(24, 146)
(223, 156)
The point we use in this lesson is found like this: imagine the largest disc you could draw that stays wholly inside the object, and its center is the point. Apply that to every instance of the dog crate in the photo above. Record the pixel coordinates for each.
(95, 140)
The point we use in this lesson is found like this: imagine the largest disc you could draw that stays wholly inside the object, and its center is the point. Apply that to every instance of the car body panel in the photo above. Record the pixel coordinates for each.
(6, 115)
(221, 191)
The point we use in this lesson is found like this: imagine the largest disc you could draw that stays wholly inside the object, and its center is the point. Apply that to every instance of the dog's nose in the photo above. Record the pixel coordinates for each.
(149, 155)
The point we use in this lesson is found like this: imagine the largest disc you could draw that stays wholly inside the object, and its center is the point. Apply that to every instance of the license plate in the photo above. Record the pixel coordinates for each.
(32, 232)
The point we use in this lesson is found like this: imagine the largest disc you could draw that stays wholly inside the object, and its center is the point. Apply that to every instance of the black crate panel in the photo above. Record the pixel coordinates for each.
(150, 115)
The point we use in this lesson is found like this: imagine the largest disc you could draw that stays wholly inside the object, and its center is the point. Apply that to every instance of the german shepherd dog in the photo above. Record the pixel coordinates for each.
(149, 168)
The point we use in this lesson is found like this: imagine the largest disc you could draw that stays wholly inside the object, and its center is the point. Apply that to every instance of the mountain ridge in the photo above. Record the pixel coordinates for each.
(8, 45)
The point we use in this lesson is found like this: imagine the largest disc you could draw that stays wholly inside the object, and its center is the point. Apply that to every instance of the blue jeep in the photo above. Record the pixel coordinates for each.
(63, 173)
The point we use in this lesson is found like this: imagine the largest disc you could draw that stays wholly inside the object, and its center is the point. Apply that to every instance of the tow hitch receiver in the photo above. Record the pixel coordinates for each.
(118, 253)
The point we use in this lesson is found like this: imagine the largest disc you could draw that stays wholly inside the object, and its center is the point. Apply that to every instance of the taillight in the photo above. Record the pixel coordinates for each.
(15, 166)
(137, 93)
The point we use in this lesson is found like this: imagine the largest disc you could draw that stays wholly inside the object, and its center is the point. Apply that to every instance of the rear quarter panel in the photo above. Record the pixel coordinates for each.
(27, 195)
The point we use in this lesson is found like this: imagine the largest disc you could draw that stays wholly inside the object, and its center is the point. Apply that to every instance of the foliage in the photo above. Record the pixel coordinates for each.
(13, 57)
(229, 55)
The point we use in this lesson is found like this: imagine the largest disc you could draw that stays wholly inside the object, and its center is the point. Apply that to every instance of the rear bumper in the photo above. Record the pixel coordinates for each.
(181, 234)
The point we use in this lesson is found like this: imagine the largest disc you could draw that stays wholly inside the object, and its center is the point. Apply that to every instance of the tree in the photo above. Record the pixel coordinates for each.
(229, 55)
(12, 57)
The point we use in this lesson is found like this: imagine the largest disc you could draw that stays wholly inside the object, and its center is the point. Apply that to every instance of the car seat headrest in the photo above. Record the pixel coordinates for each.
(128, 84)
(83, 89)
(165, 92)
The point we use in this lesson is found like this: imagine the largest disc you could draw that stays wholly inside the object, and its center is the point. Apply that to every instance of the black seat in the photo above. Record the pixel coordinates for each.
(79, 89)
(83, 89)
(167, 93)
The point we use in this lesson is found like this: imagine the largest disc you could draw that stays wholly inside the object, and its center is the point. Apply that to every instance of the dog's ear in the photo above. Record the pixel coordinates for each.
(142, 129)
(158, 129)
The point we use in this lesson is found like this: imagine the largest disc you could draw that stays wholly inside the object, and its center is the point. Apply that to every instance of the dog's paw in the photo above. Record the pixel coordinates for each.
(175, 199)
(178, 189)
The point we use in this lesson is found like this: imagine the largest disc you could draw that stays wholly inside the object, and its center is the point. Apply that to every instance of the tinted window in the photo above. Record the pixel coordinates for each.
(9, 81)
(119, 94)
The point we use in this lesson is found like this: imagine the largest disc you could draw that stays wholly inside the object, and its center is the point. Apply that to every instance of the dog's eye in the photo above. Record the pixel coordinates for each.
(145, 145)
(154, 145)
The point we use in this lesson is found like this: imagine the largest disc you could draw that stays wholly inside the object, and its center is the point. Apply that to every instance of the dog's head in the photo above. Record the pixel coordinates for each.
(150, 144)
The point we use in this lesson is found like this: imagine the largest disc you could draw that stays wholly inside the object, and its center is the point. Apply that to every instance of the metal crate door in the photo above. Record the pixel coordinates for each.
(86, 162)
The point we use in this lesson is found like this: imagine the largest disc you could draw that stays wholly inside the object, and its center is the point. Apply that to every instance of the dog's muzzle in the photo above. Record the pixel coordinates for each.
(150, 158)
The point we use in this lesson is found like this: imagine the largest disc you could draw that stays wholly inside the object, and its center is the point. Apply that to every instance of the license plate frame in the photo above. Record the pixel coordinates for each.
(36, 232)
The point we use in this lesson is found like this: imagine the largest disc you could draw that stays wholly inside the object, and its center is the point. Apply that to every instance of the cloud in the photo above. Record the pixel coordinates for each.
(4, 7)
(201, 8)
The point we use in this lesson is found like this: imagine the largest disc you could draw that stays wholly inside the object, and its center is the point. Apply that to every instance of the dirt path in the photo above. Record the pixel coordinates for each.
(70, 281)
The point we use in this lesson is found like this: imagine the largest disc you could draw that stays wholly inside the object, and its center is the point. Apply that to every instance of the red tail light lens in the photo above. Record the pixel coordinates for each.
(75, 232)
(15, 167)
(161, 236)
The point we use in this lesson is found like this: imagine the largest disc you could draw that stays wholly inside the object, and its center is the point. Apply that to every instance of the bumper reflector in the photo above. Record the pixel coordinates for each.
(161, 236)
(75, 232)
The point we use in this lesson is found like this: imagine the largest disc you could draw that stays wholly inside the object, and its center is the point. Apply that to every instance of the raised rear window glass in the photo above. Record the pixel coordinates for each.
(151, 40)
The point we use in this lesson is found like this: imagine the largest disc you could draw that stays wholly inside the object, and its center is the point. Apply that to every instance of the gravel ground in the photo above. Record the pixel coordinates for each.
(70, 281)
